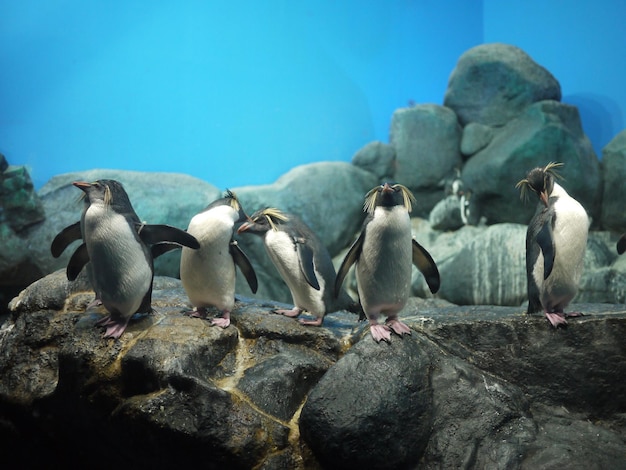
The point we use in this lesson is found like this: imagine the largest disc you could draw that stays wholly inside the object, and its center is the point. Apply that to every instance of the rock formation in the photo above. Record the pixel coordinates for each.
(477, 385)
(472, 387)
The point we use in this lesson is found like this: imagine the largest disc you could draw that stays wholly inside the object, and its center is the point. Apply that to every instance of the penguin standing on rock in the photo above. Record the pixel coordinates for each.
(555, 245)
(302, 261)
(208, 274)
(117, 245)
(384, 254)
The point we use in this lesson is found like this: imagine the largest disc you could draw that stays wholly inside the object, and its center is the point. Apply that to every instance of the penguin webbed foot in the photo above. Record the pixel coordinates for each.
(115, 327)
(380, 332)
(398, 327)
(294, 312)
(557, 319)
(317, 322)
(196, 313)
(223, 321)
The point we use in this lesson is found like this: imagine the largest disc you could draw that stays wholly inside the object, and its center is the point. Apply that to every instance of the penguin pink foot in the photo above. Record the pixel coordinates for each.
(556, 319)
(197, 313)
(559, 318)
(223, 321)
(398, 327)
(316, 322)
(380, 332)
(114, 327)
(294, 312)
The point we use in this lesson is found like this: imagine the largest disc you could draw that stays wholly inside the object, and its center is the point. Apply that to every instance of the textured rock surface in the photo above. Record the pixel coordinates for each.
(19, 205)
(614, 190)
(544, 132)
(472, 387)
(378, 158)
(426, 141)
(487, 265)
(493, 83)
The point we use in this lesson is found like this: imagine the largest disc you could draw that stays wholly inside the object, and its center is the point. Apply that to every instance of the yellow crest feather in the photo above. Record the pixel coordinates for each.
(273, 216)
(234, 201)
(370, 198)
(524, 185)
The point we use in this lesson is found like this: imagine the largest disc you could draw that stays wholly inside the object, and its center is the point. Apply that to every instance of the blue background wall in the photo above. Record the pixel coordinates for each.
(238, 92)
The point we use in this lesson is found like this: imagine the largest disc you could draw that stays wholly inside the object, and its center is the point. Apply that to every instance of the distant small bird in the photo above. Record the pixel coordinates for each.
(555, 245)
(384, 254)
(302, 260)
(208, 274)
(117, 246)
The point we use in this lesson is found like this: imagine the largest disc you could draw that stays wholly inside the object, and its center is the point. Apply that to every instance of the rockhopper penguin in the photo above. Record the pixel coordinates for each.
(555, 245)
(302, 260)
(208, 274)
(384, 254)
(117, 246)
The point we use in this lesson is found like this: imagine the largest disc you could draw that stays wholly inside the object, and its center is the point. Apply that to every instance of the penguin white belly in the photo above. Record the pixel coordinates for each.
(570, 241)
(383, 271)
(122, 273)
(208, 273)
(280, 247)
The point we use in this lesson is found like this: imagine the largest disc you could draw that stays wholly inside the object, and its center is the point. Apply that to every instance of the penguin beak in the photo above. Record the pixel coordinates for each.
(543, 195)
(82, 185)
(387, 188)
(243, 227)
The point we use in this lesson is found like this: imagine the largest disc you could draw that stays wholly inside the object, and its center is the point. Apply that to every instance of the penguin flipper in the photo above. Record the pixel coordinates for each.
(426, 265)
(305, 256)
(161, 248)
(621, 244)
(152, 234)
(63, 239)
(242, 261)
(77, 262)
(351, 257)
(545, 240)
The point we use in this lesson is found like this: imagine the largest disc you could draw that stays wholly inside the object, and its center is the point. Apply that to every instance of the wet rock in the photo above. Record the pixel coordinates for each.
(353, 416)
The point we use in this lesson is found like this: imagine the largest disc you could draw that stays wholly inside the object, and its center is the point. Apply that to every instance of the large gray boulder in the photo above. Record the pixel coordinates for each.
(488, 269)
(378, 158)
(614, 176)
(543, 132)
(494, 83)
(470, 388)
(487, 265)
(341, 419)
(426, 141)
(20, 208)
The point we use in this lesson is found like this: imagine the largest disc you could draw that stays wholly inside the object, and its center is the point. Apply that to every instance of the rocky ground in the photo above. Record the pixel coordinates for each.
(472, 387)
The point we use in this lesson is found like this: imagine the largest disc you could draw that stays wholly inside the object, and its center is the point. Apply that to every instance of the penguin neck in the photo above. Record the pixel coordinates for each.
(558, 191)
(395, 216)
